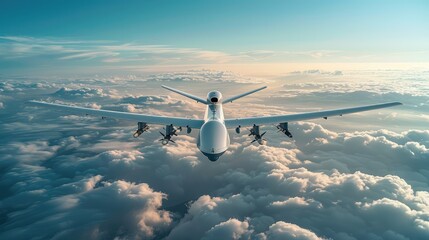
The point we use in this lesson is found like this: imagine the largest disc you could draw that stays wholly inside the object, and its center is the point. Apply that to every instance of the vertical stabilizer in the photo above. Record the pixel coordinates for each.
(198, 99)
(242, 95)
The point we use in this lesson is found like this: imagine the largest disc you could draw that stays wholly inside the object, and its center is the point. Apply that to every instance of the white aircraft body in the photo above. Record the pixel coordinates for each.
(213, 138)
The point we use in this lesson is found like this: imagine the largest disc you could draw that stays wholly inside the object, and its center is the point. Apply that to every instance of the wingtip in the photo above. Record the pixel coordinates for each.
(34, 103)
(392, 104)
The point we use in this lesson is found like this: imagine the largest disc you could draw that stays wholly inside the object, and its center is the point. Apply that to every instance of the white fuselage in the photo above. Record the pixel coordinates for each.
(213, 138)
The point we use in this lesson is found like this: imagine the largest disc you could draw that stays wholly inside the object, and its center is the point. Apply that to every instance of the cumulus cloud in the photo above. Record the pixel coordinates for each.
(318, 71)
(111, 210)
(82, 177)
(82, 93)
(11, 87)
(208, 76)
(283, 230)
(231, 229)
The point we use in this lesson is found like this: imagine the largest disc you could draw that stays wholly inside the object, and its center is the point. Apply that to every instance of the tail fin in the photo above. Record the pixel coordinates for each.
(242, 95)
(198, 99)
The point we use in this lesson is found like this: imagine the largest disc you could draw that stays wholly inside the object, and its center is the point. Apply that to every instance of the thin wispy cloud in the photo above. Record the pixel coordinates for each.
(64, 50)
(105, 55)
(117, 52)
(89, 55)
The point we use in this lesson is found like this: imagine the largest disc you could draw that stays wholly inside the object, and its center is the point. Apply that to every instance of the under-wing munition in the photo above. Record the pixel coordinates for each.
(170, 131)
(283, 127)
(255, 132)
(141, 128)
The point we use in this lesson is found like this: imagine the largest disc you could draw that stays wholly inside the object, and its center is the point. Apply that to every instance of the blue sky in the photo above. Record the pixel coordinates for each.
(233, 32)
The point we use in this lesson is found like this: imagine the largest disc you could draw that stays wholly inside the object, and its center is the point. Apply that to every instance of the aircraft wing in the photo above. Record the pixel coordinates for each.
(150, 119)
(230, 123)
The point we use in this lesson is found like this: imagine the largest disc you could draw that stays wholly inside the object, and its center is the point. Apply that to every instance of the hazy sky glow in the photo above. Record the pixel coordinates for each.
(100, 36)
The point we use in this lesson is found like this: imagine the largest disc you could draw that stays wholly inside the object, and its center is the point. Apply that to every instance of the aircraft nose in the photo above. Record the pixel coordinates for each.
(213, 139)
(213, 156)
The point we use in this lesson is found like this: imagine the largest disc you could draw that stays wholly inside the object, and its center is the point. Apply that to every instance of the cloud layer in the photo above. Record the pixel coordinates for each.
(78, 176)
